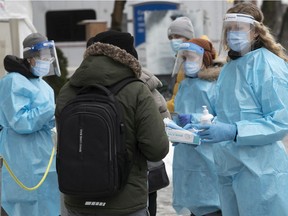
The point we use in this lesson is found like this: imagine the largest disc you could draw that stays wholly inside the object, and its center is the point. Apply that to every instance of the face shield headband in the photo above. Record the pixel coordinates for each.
(186, 52)
(236, 32)
(45, 51)
(235, 17)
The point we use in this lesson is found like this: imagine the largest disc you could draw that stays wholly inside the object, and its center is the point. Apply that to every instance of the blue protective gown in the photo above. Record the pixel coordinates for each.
(194, 174)
(26, 114)
(252, 92)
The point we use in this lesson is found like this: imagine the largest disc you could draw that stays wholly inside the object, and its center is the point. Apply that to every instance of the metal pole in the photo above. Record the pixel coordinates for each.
(1, 165)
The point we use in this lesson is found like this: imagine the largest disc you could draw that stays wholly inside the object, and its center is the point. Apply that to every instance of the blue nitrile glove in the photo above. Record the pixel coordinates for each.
(171, 124)
(184, 119)
(188, 126)
(217, 132)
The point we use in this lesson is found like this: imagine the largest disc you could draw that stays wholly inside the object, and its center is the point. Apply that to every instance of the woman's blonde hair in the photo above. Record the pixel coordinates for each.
(265, 36)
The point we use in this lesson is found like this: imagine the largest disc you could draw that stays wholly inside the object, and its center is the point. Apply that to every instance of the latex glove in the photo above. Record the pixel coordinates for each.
(217, 132)
(184, 119)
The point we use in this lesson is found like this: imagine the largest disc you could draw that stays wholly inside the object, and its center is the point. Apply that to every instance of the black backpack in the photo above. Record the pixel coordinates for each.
(92, 158)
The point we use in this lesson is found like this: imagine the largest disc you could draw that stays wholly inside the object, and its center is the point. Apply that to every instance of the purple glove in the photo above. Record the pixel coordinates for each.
(184, 119)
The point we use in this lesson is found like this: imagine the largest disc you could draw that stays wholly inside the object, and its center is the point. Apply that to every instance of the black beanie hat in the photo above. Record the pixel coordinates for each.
(123, 40)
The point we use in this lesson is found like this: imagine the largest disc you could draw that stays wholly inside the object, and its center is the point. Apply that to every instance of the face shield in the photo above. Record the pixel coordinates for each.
(237, 34)
(45, 51)
(191, 56)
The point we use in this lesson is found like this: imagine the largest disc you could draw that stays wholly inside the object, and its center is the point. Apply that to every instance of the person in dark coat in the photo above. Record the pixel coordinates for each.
(109, 58)
(157, 176)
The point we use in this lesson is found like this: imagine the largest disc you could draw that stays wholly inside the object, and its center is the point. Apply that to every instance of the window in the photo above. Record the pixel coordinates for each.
(62, 26)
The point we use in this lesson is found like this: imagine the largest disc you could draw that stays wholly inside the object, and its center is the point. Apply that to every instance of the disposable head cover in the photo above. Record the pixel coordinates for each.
(237, 29)
(188, 52)
(45, 51)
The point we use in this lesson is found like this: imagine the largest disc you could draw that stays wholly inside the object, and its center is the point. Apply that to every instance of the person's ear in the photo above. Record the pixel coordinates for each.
(255, 34)
(31, 61)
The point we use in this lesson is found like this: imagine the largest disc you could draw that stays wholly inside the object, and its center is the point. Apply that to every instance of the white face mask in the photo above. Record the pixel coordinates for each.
(175, 43)
(191, 68)
(41, 68)
(238, 40)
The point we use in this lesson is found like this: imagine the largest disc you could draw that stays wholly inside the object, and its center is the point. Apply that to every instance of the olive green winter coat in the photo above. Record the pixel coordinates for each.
(145, 134)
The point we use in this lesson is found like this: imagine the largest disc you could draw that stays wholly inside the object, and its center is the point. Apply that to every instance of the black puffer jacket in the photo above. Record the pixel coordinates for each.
(145, 134)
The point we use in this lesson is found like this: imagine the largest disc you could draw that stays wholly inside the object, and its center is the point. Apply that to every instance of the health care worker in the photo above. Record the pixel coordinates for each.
(26, 119)
(252, 118)
(179, 31)
(194, 175)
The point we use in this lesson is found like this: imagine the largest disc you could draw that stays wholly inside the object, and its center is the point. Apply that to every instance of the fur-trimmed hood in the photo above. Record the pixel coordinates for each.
(105, 63)
(116, 54)
(209, 74)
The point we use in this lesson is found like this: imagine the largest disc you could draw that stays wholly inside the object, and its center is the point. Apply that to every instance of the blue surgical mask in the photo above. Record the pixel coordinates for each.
(238, 40)
(191, 68)
(41, 68)
(175, 43)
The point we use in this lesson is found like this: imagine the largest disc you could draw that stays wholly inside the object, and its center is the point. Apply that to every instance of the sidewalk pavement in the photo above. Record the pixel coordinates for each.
(164, 202)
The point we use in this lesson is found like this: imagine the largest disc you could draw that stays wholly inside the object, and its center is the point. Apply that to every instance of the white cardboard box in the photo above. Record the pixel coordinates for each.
(182, 136)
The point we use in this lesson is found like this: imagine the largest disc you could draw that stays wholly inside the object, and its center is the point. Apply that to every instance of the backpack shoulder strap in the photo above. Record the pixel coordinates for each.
(115, 88)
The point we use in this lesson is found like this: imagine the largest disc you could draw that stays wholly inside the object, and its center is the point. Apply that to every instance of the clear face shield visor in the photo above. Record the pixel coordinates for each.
(188, 52)
(237, 33)
(45, 51)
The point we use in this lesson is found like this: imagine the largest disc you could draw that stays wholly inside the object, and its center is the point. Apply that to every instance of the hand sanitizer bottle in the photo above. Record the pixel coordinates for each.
(206, 118)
